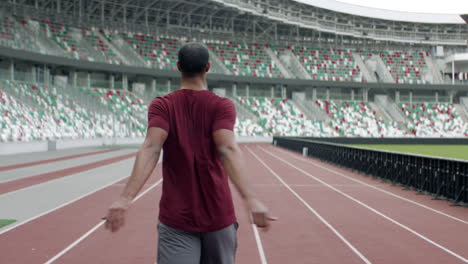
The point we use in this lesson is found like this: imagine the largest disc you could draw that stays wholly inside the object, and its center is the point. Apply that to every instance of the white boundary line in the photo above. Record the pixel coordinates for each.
(369, 208)
(374, 187)
(364, 259)
(261, 252)
(84, 236)
(68, 167)
(62, 205)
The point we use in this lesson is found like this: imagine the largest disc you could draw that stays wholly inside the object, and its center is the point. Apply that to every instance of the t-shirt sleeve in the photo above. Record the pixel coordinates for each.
(158, 115)
(225, 116)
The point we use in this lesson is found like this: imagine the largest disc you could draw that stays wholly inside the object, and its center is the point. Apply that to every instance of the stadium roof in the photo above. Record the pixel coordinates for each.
(385, 14)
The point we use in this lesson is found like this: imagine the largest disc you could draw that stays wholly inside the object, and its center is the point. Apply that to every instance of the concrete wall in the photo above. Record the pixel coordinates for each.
(41, 146)
(23, 147)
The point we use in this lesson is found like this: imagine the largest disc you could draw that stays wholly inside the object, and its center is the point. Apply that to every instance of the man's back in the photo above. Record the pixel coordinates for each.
(196, 195)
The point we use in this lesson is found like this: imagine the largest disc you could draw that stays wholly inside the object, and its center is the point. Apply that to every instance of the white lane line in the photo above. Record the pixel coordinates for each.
(368, 207)
(84, 236)
(364, 259)
(261, 252)
(374, 187)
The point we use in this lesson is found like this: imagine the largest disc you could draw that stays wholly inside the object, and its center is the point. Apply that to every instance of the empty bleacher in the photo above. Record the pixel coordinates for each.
(327, 64)
(358, 119)
(434, 120)
(282, 117)
(245, 59)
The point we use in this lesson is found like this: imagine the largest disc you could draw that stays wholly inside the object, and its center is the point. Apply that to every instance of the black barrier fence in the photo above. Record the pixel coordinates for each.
(439, 177)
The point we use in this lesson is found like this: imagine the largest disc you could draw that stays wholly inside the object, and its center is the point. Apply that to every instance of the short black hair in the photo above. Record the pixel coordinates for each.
(193, 58)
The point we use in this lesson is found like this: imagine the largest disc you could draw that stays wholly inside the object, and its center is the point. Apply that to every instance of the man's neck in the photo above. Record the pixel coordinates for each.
(193, 83)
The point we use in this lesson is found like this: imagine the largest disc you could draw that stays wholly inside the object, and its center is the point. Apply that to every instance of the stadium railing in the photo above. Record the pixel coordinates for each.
(442, 178)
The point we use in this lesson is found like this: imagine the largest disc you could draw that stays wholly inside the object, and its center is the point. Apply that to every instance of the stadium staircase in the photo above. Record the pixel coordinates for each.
(287, 58)
(126, 51)
(365, 72)
(390, 108)
(462, 111)
(278, 63)
(46, 45)
(217, 65)
(375, 64)
(433, 70)
(102, 47)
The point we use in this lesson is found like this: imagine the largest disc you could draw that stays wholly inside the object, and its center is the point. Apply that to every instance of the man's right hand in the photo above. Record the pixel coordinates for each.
(259, 214)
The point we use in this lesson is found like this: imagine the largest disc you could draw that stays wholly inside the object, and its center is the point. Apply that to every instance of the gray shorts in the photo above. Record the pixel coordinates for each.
(176, 246)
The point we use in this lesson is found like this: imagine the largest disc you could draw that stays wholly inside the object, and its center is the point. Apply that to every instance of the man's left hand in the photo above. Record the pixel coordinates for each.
(115, 218)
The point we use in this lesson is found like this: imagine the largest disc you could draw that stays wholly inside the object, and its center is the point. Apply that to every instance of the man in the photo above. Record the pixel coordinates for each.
(197, 223)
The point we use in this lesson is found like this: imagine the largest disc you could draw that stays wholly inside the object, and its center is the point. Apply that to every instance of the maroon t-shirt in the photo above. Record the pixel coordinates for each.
(196, 195)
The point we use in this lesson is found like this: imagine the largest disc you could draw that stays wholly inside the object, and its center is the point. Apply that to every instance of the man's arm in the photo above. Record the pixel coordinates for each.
(145, 162)
(233, 163)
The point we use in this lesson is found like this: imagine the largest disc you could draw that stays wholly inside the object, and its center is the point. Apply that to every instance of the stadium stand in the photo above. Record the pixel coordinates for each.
(282, 117)
(245, 60)
(434, 120)
(50, 115)
(358, 119)
(327, 64)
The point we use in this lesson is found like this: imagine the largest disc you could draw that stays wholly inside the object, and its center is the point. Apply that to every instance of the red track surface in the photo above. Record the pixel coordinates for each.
(44, 177)
(299, 236)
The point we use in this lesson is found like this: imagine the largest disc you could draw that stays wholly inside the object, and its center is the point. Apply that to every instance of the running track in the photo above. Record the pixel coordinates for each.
(326, 215)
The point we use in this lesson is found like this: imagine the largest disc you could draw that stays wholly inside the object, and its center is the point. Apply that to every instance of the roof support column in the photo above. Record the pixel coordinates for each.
(125, 81)
(234, 89)
(11, 69)
(453, 72)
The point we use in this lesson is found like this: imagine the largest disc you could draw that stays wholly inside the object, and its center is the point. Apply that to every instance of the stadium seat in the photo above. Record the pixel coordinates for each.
(245, 60)
(327, 64)
(434, 120)
(406, 67)
(11, 37)
(281, 117)
(101, 47)
(158, 52)
(358, 119)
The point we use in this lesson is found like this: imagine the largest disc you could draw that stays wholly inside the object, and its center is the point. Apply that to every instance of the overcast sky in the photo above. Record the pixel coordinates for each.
(424, 6)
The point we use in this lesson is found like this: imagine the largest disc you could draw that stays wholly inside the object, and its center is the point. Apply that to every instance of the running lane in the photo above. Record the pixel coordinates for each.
(299, 236)
(380, 240)
(443, 230)
(39, 240)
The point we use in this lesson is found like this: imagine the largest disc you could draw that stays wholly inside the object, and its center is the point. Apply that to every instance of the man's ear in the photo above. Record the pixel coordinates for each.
(208, 66)
(178, 66)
